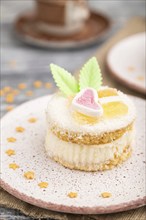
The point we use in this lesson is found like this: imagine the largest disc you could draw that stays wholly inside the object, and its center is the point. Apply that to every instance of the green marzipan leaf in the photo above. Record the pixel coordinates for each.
(64, 80)
(90, 75)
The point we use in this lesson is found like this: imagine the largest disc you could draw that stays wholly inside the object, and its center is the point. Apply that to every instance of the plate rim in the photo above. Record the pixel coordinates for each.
(132, 85)
(73, 209)
(70, 209)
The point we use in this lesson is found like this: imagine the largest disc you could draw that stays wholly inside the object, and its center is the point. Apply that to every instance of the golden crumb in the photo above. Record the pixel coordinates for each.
(20, 129)
(43, 185)
(10, 152)
(11, 139)
(140, 78)
(32, 120)
(87, 139)
(37, 84)
(2, 92)
(106, 195)
(13, 166)
(130, 68)
(48, 85)
(7, 89)
(9, 98)
(29, 93)
(29, 175)
(72, 195)
(9, 107)
(22, 86)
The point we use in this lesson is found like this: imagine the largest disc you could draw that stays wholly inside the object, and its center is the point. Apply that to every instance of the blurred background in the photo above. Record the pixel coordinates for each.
(25, 70)
(24, 64)
(119, 11)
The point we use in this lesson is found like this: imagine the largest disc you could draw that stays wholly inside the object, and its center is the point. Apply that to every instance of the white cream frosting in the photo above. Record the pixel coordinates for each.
(59, 115)
(84, 154)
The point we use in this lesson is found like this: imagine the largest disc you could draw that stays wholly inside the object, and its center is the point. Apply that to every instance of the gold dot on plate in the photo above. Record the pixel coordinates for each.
(32, 120)
(29, 175)
(10, 152)
(9, 107)
(22, 86)
(29, 93)
(13, 166)
(11, 139)
(20, 129)
(43, 185)
(106, 195)
(37, 84)
(72, 195)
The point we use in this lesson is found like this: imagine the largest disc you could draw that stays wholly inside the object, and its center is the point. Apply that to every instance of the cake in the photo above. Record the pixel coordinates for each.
(90, 127)
(61, 17)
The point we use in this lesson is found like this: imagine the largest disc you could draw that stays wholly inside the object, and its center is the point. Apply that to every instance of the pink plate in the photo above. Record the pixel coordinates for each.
(126, 183)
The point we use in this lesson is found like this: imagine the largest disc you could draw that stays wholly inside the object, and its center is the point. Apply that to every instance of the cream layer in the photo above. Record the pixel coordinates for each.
(83, 155)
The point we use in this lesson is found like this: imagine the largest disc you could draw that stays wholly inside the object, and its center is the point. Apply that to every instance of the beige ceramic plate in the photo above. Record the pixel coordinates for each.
(126, 61)
(126, 183)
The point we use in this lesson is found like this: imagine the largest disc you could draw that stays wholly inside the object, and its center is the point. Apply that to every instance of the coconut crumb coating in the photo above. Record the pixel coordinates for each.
(90, 139)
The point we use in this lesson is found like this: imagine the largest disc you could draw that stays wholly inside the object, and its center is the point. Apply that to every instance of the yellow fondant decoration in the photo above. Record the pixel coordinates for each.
(84, 119)
(114, 109)
(107, 92)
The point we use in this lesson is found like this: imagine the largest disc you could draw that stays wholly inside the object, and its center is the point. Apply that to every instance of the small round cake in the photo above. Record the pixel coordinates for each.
(91, 130)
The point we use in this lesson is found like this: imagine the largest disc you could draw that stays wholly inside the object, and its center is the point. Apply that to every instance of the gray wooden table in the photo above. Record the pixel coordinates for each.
(22, 63)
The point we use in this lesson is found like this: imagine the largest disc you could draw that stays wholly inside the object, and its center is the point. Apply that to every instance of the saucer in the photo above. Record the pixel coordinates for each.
(94, 30)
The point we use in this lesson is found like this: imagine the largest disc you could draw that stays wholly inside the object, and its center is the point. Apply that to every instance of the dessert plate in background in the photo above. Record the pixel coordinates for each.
(94, 30)
(126, 183)
(126, 62)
